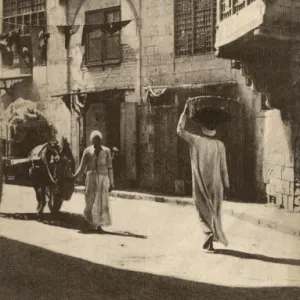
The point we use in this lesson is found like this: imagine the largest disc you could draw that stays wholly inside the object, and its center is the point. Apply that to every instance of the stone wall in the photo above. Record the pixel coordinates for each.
(278, 159)
(64, 72)
(160, 67)
(122, 75)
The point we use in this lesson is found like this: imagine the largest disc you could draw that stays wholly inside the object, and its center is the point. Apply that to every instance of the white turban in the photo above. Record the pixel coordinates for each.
(94, 134)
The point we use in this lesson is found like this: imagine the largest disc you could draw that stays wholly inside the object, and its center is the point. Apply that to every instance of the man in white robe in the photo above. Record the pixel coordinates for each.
(209, 175)
(97, 163)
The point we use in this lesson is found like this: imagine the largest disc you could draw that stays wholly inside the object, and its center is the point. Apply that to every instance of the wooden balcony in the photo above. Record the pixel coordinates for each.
(253, 29)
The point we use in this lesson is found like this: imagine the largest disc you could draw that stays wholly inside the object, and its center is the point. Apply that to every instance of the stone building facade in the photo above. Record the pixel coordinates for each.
(263, 38)
(177, 55)
(133, 84)
(78, 73)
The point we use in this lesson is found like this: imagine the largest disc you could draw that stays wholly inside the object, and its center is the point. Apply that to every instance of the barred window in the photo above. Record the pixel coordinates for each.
(103, 48)
(195, 22)
(23, 14)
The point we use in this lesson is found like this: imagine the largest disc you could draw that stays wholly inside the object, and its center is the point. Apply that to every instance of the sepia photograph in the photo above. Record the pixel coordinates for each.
(150, 149)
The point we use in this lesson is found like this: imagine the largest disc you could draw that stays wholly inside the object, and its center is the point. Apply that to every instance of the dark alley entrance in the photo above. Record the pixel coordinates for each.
(103, 114)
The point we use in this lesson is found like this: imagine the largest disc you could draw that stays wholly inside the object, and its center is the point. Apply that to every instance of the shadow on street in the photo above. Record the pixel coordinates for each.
(30, 272)
(244, 255)
(65, 220)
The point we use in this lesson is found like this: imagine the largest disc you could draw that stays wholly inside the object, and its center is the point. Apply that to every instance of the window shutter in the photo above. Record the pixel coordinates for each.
(113, 44)
(95, 39)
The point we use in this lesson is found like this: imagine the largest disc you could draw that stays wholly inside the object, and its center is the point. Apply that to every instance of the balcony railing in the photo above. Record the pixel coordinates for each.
(231, 7)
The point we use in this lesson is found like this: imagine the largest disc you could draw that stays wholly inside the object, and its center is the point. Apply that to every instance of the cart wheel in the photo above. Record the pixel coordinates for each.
(54, 200)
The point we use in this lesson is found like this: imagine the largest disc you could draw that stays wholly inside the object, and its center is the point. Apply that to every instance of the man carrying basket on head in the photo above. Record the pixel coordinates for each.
(209, 169)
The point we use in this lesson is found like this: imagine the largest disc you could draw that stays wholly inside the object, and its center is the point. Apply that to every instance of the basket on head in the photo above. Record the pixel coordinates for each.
(209, 107)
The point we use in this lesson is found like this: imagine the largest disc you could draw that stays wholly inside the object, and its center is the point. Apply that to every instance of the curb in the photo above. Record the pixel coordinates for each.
(263, 222)
(271, 224)
(146, 197)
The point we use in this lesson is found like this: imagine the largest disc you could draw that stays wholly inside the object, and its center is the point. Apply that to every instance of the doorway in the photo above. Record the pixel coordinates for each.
(103, 114)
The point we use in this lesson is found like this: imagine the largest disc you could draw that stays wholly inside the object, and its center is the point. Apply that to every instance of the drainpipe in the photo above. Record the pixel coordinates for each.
(1, 115)
(69, 72)
(139, 20)
(68, 50)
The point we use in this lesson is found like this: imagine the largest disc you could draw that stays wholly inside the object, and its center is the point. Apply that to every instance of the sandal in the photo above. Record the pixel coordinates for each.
(100, 230)
(208, 242)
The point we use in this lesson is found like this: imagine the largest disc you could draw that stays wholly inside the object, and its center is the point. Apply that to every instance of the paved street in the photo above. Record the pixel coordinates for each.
(152, 251)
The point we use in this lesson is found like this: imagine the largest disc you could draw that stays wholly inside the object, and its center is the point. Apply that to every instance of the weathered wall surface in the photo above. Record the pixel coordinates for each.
(161, 68)
(65, 71)
(262, 155)
(51, 79)
(122, 75)
(278, 172)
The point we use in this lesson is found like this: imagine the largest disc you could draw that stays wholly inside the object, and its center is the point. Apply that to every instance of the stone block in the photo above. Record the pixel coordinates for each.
(156, 50)
(288, 174)
(288, 162)
(276, 171)
(292, 187)
(278, 159)
(156, 62)
(180, 78)
(152, 12)
(166, 58)
(183, 67)
(279, 199)
(149, 51)
(285, 201)
(268, 189)
(277, 183)
(290, 203)
(285, 187)
(197, 77)
(271, 190)
(218, 75)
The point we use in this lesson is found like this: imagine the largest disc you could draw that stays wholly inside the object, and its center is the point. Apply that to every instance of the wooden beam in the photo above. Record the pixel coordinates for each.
(92, 92)
(277, 34)
(16, 77)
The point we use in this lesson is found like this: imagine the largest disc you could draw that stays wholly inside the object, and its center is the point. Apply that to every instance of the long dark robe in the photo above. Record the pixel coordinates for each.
(210, 176)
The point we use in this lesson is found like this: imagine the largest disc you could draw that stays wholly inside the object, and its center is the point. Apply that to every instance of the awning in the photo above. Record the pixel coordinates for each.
(165, 95)
(192, 86)
(106, 28)
(12, 79)
(99, 90)
(19, 77)
(78, 103)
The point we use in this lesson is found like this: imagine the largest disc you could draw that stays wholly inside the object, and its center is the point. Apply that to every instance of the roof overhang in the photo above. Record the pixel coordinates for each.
(12, 78)
(193, 86)
(88, 92)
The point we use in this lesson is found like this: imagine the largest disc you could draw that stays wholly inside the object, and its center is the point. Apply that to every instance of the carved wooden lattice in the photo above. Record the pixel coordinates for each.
(23, 14)
(195, 22)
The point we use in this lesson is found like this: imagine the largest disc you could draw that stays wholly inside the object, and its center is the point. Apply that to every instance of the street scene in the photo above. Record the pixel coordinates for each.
(149, 149)
(152, 251)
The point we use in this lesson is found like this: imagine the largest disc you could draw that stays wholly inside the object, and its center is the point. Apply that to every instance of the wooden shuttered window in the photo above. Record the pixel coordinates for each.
(102, 48)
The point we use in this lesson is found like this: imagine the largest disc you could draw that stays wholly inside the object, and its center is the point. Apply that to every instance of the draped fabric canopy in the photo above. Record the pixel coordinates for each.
(27, 125)
(106, 28)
